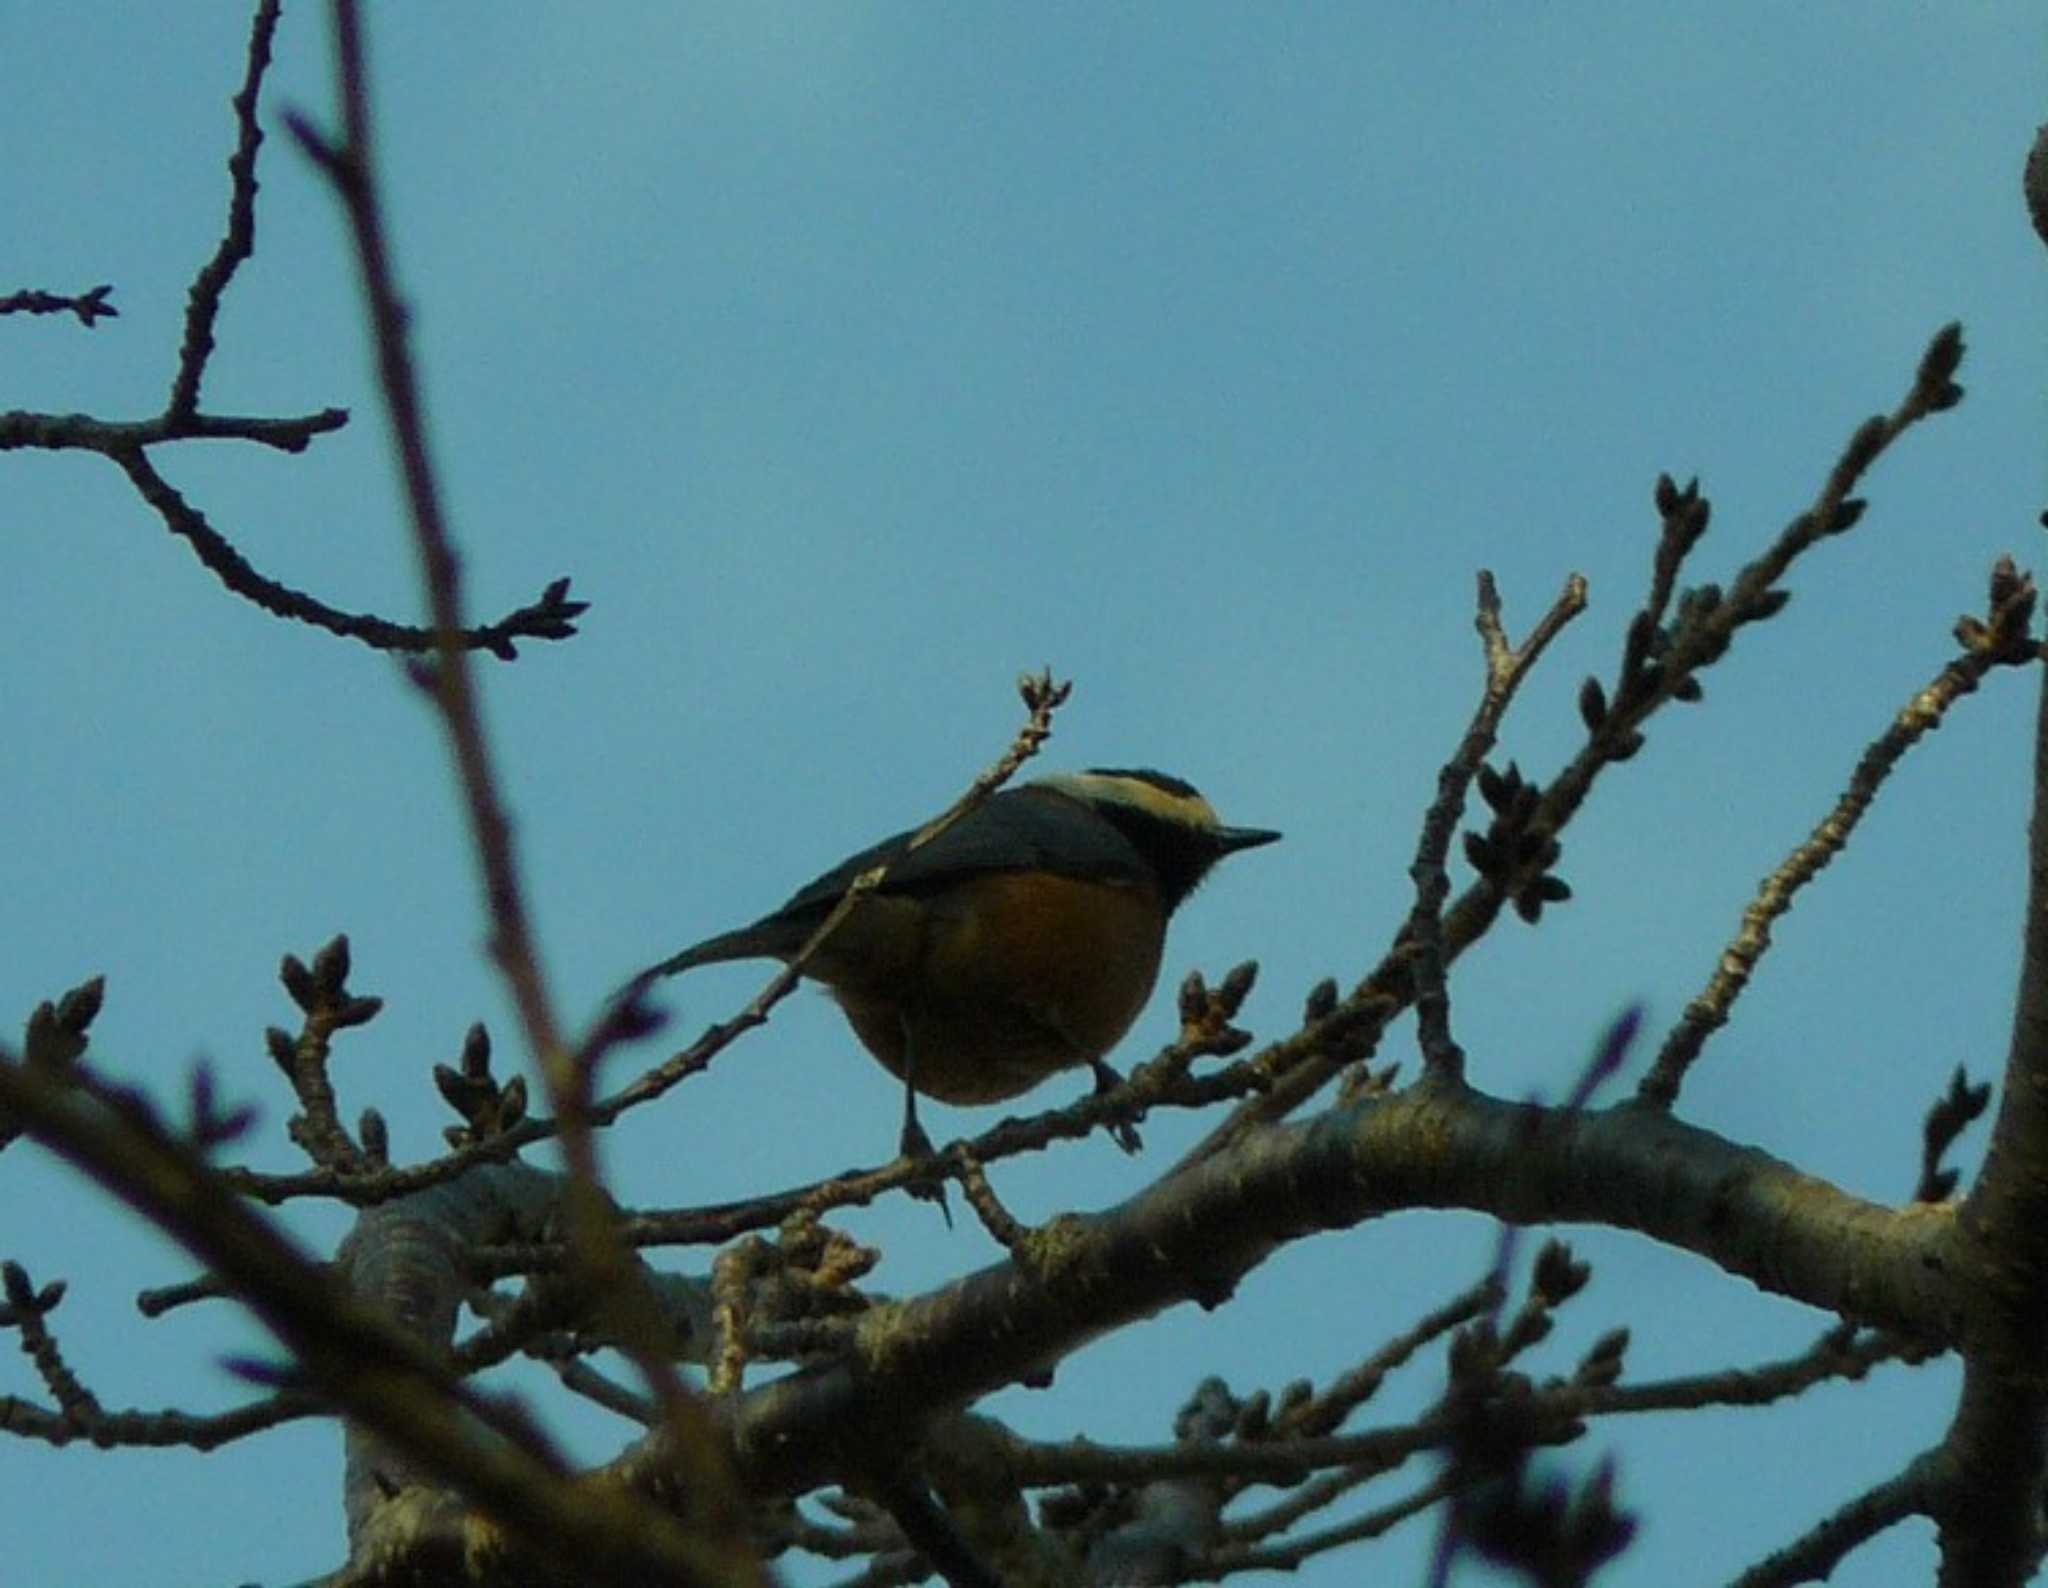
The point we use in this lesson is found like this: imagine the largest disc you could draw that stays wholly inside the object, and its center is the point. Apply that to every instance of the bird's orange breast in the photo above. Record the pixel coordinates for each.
(998, 981)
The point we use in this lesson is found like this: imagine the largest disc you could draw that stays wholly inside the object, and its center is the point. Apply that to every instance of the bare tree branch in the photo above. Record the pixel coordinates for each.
(2002, 642)
(238, 243)
(90, 307)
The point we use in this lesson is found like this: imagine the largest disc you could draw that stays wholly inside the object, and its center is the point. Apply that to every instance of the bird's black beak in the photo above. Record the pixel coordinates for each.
(1231, 839)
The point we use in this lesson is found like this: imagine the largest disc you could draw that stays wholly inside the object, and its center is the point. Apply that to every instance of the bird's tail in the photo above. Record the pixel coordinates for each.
(765, 939)
(746, 943)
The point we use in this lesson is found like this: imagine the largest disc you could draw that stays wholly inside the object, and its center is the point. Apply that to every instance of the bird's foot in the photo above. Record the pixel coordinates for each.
(1123, 1121)
(917, 1147)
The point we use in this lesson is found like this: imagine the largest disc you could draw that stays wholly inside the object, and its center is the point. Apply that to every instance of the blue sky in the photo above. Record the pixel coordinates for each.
(853, 359)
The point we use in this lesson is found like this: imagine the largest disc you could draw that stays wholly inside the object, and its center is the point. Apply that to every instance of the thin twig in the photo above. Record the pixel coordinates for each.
(371, 1370)
(634, 1317)
(159, 1430)
(79, 1414)
(1506, 667)
(90, 307)
(1298, 1070)
(1553, 1406)
(239, 241)
(1355, 1387)
(549, 618)
(1920, 716)
(1002, 1225)
(1814, 1556)
(21, 430)
(930, 1530)
(1295, 1553)
(1158, 1083)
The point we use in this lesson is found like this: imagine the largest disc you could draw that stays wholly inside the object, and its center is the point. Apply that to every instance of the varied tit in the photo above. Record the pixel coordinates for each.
(1022, 940)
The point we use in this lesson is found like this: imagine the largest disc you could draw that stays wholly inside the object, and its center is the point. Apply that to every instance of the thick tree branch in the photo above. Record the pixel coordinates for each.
(1989, 1505)
(1192, 1237)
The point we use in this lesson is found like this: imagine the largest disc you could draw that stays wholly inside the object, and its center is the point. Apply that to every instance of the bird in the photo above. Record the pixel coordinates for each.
(1023, 940)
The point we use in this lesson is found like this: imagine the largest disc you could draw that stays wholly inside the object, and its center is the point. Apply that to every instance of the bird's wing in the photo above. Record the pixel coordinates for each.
(1026, 829)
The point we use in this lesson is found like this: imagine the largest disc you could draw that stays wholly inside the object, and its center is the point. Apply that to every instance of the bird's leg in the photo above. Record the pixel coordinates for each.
(1123, 1127)
(914, 1143)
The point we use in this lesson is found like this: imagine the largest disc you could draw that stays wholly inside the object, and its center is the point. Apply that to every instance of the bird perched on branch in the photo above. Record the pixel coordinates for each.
(1022, 940)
